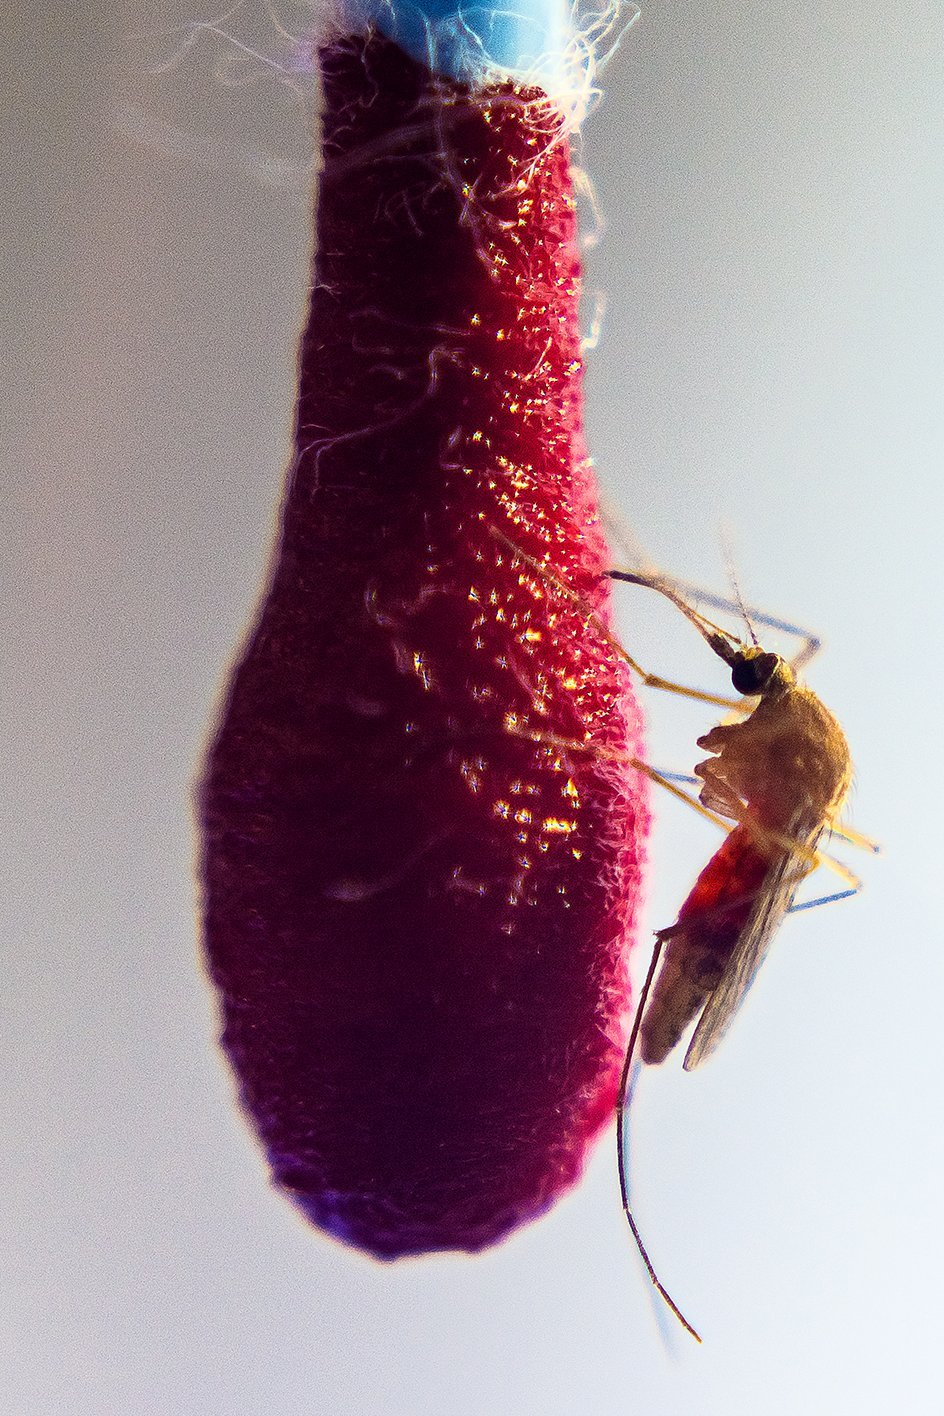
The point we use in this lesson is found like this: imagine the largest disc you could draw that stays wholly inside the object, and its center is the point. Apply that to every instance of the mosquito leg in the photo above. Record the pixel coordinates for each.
(810, 857)
(679, 590)
(591, 617)
(822, 900)
(768, 839)
(623, 1095)
(662, 779)
(843, 871)
(684, 926)
(771, 841)
(855, 838)
(817, 859)
(764, 836)
(855, 884)
(621, 1110)
(733, 705)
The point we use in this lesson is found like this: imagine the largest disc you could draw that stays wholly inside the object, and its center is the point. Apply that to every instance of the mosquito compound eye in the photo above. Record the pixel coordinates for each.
(752, 672)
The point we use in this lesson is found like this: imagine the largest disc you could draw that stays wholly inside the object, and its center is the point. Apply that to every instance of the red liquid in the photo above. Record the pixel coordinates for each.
(720, 901)
(416, 920)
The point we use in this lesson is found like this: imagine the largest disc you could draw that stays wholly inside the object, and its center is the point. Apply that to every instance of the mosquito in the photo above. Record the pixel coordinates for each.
(776, 780)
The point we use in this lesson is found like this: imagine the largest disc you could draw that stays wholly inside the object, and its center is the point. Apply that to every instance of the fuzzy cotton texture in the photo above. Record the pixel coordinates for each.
(421, 840)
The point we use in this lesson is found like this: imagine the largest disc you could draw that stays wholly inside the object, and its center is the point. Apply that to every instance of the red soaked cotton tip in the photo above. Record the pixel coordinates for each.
(416, 914)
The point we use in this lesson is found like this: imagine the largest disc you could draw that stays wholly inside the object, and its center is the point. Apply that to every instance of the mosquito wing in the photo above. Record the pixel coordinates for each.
(773, 901)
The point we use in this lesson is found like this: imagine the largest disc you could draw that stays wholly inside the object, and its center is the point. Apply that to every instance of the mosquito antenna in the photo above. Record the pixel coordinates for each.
(621, 1107)
(735, 586)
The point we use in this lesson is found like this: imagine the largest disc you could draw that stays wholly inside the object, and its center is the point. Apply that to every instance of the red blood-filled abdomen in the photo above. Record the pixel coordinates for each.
(720, 902)
(698, 947)
(415, 914)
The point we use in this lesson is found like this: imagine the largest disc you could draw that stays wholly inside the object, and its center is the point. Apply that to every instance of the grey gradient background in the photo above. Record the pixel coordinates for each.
(771, 364)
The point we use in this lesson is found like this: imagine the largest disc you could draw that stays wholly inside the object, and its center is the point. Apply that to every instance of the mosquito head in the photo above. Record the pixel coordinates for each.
(756, 673)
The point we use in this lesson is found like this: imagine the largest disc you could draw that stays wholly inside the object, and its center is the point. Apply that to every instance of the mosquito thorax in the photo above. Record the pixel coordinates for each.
(756, 672)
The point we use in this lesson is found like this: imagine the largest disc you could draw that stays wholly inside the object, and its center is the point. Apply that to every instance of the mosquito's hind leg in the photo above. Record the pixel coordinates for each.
(823, 900)
(811, 858)
(814, 861)
(764, 836)
(855, 838)
(836, 866)
(820, 859)
(622, 1106)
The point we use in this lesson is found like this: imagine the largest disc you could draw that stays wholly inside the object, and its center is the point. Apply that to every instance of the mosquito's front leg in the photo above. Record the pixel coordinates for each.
(591, 617)
(733, 705)
(677, 590)
(817, 859)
